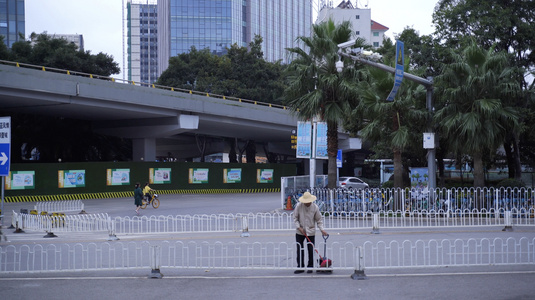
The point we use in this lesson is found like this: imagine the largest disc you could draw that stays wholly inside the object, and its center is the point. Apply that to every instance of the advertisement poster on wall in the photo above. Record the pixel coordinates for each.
(71, 178)
(117, 176)
(20, 180)
(159, 175)
(198, 175)
(264, 175)
(231, 175)
(419, 178)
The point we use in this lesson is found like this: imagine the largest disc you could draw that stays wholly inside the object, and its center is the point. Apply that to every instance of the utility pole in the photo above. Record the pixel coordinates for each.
(428, 83)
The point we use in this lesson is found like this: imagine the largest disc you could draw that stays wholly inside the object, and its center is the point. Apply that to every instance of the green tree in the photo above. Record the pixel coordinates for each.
(473, 117)
(506, 26)
(427, 54)
(241, 73)
(316, 90)
(260, 80)
(396, 125)
(195, 70)
(4, 50)
(59, 53)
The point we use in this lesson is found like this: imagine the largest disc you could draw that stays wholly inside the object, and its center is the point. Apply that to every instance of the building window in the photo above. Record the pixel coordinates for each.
(376, 44)
(357, 17)
(357, 32)
(375, 33)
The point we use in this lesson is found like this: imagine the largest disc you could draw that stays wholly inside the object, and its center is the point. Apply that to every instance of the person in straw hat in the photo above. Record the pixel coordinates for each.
(306, 215)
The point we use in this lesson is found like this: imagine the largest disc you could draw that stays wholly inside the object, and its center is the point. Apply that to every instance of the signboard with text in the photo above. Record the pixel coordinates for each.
(231, 175)
(264, 175)
(5, 145)
(71, 178)
(20, 180)
(117, 176)
(198, 175)
(321, 140)
(159, 175)
(304, 139)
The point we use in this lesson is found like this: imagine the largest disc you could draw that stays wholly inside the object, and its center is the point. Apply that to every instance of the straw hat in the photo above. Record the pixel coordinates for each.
(307, 198)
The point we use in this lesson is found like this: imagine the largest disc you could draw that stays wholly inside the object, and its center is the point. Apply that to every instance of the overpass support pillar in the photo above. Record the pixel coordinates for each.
(144, 149)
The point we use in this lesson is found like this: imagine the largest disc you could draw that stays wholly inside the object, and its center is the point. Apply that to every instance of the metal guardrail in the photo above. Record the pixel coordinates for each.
(60, 206)
(61, 222)
(263, 256)
(375, 199)
(154, 86)
(442, 253)
(246, 223)
(346, 220)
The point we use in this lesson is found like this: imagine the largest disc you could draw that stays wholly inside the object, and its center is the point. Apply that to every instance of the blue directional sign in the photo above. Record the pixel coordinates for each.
(398, 76)
(5, 145)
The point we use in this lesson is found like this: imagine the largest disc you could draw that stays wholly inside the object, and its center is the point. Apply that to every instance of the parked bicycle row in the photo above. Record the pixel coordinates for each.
(344, 199)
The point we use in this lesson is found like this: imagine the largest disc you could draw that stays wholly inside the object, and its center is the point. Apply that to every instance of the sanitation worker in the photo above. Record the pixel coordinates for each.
(306, 215)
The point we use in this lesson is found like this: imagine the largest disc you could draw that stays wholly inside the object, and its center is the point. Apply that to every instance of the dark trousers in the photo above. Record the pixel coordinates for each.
(301, 240)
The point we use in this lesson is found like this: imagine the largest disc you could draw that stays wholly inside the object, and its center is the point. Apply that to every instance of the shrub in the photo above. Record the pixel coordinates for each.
(510, 182)
(388, 184)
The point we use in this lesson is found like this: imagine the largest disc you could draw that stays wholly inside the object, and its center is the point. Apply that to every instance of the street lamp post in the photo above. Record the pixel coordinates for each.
(428, 83)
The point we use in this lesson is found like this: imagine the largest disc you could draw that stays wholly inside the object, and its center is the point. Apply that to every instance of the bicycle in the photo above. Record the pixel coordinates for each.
(153, 200)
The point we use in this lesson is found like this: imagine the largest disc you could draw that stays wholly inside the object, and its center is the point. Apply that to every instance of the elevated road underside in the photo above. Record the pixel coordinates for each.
(160, 122)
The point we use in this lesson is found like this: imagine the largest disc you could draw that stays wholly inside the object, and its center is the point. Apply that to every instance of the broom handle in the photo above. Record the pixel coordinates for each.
(325, 244)
(314, 246)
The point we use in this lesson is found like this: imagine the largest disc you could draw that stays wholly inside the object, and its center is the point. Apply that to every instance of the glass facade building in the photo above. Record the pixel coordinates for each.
(12, 21)
(142, 41)
(218, 24)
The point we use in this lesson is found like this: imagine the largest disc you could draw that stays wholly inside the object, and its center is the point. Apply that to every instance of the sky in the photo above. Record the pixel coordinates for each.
(100, 21)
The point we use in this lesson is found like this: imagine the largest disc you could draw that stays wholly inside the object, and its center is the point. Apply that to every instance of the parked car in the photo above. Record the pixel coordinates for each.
(352, 183)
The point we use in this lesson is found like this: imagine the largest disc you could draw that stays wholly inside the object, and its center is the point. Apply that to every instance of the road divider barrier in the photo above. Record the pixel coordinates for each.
(346, 256)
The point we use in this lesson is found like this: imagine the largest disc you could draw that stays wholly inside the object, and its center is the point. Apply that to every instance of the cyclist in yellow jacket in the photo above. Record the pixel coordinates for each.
(146, 192)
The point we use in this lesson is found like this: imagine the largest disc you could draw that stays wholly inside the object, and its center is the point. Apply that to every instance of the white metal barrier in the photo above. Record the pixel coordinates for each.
(60, 206)
(62, 223)
(270, 221)
(441, 253)
(375, 199)
(351, 220)
(263, 256)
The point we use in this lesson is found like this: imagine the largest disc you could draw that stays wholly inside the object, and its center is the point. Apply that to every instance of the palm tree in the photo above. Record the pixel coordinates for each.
(315, 89)
(395, 125)
(473, 118)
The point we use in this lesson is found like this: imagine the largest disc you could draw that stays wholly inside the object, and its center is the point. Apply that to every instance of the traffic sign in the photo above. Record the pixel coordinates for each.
(339, 158)
(5, 145)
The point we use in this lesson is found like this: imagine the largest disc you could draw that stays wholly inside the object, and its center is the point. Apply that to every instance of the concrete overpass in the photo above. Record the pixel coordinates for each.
(159, 121)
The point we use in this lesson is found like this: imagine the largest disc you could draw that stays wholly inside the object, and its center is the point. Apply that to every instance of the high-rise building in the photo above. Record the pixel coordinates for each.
(218, 24)
(360, 19)
(12, 21)
(279, 22)
(142, 40)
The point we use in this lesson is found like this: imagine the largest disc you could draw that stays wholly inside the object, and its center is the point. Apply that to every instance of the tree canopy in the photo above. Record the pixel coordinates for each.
(241, 73)
(46, 51)
(316, 91)
(505, 26)
(473, 115)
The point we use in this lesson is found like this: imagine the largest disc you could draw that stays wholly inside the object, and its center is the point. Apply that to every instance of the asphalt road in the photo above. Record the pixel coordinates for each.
(485, 282)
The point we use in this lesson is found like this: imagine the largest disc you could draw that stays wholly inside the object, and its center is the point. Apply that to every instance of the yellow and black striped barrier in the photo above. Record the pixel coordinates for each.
(38, 198)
